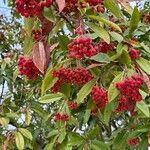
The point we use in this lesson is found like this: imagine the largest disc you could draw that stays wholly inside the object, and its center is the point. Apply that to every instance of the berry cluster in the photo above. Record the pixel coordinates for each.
(133, 141)
(99, 96)
(77, 76)
(129, 89)
(81, 47)
(37, 35)
(72, 105)
(125, 104)
(71, 5)
(30, 8)
(134, 53)
(27, 67)
(61, 117)
(104, 47)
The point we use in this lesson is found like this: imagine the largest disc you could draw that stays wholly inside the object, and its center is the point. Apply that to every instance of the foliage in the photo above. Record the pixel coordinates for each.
(82, 81)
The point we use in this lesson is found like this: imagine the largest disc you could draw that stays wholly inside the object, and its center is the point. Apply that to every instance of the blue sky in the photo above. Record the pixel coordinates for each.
(4, 8)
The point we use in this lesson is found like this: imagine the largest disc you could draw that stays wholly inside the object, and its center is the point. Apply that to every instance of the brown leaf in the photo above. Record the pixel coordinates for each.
(61, 4)
(39, 56)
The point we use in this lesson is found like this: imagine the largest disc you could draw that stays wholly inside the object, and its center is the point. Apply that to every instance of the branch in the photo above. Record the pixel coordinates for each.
(67, 20)
(1, 95)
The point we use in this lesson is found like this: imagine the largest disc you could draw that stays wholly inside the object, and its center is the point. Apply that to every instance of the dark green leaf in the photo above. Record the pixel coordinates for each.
(101, 32)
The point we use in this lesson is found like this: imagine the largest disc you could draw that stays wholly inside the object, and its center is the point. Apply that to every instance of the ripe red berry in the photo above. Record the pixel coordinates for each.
(134, 53)
(100, 9)
(130, 88)
(61, 117)
(81, 47)
(72, 105)
(71, 6)
(104, 47)
(31, 8)
(133, 141)
(99, 96)
(37, 35)
(27, 67)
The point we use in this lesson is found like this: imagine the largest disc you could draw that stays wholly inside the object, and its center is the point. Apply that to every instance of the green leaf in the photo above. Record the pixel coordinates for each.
(66, 89)
(62, 136)
(93, 132)
(25, 133)
(39, 110)
(48, 80)
(116, 36)
(107, 113)
(52, 133)
(56, 28)
(146, 48)
(102, 33)
(28, 25)
(119, 142)
(135, 18)
(99, 145)
(143, 107)
(28, 45)
(12, 115)
(63, 42)
(112, 90)
(119, 51)
(86, 116)
(113, 7)
(4, 121)
(101, 57)
(85, 90)
(15, 75)
(144, 64)
(50, 98)
(49, 146)
(19, 140)
(75, 139)
(28, 117)
(125, 58)
(48, 14)
(105, 21)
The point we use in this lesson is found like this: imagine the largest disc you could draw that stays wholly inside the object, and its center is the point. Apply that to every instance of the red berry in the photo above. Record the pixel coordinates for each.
(37, 35)
(134, 53)
(27, 67)
(81, 47)
(99, 96)
(129, 90)
(100, 9)
(133, 141)
(72, 105)
(76, 76)
(103, 47)
(61, 117)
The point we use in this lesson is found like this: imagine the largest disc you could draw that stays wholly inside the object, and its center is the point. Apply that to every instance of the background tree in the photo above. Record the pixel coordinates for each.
(75, 75)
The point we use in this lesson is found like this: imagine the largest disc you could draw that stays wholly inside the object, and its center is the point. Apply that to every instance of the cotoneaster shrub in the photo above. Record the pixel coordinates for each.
(81, 80)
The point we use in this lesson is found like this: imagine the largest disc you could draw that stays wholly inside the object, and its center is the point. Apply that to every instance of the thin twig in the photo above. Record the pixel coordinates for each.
(1, 96)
